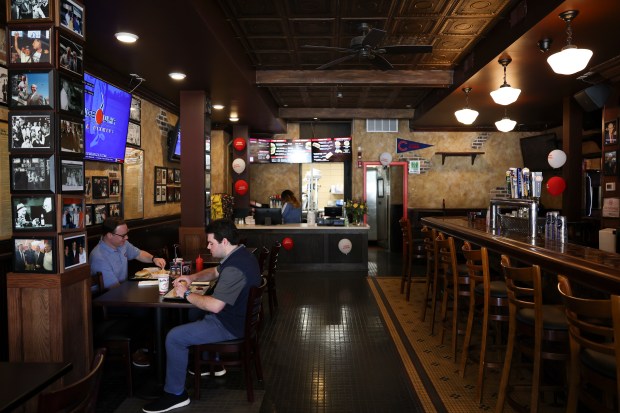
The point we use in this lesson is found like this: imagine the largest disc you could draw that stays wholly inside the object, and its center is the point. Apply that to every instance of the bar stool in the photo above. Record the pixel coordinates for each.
(543, 328)
(405, 280)
(494, 299)
(429, 248)
(594, 331)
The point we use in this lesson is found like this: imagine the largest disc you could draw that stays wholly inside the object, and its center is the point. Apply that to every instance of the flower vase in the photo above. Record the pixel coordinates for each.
(358, 219)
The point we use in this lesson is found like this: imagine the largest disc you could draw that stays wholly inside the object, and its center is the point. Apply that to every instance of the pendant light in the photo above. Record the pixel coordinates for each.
(466, 115)
(506, 94)
(506, 124)
(570, 59)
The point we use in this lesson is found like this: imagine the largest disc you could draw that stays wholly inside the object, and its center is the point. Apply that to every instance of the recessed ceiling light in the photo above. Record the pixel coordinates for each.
(126, 37)
(233, 119)
(218, 107)
(177, 75)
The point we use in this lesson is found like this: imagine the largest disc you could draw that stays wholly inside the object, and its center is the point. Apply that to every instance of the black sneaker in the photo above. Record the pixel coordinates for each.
(167, 402)
(219, 371)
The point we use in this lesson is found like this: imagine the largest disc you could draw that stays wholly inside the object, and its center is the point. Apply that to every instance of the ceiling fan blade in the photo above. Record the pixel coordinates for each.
(330, 48)
(381, 62)
(412, 48)
(373, 38)
(337, 61)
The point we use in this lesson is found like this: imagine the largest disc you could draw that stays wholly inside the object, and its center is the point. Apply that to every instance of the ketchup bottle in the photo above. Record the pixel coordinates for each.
(199, 261)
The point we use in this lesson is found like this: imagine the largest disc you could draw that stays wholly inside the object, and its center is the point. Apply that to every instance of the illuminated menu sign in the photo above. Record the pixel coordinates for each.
(300, 150)
(331, 149)
(291, 151)
(259, 150)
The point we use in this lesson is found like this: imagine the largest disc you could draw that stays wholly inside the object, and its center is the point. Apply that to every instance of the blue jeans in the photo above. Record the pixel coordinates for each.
(179, 339)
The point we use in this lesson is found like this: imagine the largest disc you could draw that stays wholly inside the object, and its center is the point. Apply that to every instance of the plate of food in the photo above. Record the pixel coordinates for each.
(198, 289)
(150, 273)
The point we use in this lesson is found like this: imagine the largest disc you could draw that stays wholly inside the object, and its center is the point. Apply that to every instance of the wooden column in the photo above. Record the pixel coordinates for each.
(241, 201)
(571, 171)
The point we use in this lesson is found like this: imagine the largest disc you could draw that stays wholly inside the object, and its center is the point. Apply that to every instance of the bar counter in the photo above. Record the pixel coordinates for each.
(315, 248)
(592, 267)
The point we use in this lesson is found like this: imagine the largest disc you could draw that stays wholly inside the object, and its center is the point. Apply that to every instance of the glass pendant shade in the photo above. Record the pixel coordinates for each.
(505, 95)
(569, 60)
(506, 124)
(466, 116)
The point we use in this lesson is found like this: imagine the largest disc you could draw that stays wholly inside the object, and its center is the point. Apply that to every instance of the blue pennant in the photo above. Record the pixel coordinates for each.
(403, 145)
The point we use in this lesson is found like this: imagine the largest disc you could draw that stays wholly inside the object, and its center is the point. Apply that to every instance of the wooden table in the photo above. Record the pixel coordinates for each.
(589, 266)
(21, 381)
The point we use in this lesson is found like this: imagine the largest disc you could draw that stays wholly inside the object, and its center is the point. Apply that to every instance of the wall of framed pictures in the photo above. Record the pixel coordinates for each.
(167, 186)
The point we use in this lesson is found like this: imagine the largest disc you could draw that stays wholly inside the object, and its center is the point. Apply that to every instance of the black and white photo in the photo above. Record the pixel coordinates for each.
(100, 212)
(31, 131)
(88, 215)
(71, 96)
(74, 251)
(114, 209)
(32, 173)
(177, 176)
(30, 46)
(4, 84)
(133, 134)
(101, 187)
(33, 213)
(72, 213)
(115, 187)
(610, 163)
(30, 10)
(135, 110)
(71, 136)
(31, 88)
(34, 255)
(72, 17)
(72, 174)
(70, 55)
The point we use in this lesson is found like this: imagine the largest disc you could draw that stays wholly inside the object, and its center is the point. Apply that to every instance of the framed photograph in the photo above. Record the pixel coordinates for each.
(34, 254)
(33, 213)
(133, 134)
(177, 194)
(4, 82)
(170, 176)
(177, 176)
(611, 132)
(160, 175)
(101, 187)
(71, 96)
(88, 188)
(74, 251)
(71, 17)
(115, 187)
(2, 46)
(71, 136)
(114, 209)
(29, 10)
(160, 193)
(32, 173)
(31, 131)
(170, 193)
(100, 212)
(70, 55)
(88, 215)
(135, 111)
(610, 163)
(72, 175)
(31, 88)
(72, 213)
(610, 186)
(31, 47)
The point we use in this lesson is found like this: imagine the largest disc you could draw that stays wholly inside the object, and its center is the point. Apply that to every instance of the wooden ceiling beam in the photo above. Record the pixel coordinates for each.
(345, 113)
(418, 78)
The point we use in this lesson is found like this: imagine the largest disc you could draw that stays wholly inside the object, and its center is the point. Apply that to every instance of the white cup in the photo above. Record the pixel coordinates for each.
(164, 283)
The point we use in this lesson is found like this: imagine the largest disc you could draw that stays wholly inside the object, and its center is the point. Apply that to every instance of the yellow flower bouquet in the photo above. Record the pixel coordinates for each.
(356, 209)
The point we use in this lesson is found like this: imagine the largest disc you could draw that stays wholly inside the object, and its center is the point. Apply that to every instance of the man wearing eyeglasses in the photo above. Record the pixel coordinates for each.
(113, 251)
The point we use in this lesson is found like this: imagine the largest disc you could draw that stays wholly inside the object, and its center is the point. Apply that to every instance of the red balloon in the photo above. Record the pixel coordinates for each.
(241, 187)
(287, 243)
(239, 144)
(556, 185)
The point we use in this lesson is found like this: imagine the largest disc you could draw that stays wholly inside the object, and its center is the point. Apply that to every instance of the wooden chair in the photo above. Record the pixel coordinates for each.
(429, 248)
(271, 276)
(78, 397)
(493, 298)
(594, 331)
(537, 330)
(262, 258)
(405, 280)
(239, 352)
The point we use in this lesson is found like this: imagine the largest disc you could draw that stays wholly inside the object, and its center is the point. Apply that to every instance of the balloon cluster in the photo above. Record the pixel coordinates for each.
(556, 185)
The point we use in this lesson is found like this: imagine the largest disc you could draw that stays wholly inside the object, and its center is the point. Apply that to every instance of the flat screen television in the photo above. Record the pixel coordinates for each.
(106, 120)
(535, 151)
(268, 216)
(174, 144)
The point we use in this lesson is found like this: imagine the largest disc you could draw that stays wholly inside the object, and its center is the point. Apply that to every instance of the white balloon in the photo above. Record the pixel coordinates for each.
(556, 158)
(344, 245)
(238, 165)
(385, 158)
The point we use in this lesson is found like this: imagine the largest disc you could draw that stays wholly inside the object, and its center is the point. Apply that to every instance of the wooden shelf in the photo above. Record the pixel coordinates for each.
(472, 154)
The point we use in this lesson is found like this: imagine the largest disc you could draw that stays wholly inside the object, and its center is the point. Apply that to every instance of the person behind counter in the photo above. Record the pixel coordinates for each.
(291, 208)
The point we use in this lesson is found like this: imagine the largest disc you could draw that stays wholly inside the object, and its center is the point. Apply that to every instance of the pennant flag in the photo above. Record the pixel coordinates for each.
(403, 145)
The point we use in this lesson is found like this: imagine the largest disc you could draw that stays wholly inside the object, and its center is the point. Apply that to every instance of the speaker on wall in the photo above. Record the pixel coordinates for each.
(593, 97)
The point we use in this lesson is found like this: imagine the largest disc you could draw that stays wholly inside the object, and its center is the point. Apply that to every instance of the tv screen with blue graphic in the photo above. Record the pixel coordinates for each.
(106, 120)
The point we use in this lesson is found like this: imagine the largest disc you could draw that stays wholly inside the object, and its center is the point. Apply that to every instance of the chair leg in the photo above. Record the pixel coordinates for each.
(573, 382)
(248, 375)
(455, 323)
(427, 289)
(503, 384)
(483, 352)
(128, 376)
(434, 302)
(468, 329)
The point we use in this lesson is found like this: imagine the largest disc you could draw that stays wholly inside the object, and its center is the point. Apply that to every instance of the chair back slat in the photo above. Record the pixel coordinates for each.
(523, 285)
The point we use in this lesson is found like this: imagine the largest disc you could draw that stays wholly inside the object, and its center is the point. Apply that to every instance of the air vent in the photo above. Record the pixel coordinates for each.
(381, 125)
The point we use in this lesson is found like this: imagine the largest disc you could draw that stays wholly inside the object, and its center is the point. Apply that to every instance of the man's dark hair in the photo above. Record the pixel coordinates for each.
(224, 228)
(110, 224)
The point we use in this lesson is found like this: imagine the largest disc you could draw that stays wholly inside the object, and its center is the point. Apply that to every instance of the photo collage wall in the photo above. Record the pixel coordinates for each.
(611, 170)
(167, 186)
(41, 72)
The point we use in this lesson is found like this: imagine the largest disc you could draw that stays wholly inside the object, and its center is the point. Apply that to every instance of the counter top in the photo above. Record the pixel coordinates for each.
(308, 227)
(593, 267)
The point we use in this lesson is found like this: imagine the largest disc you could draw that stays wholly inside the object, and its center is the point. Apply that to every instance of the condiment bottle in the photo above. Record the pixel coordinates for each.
(199, 262)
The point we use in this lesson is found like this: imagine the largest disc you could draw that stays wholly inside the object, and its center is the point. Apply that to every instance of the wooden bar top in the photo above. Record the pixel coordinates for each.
(589, 266)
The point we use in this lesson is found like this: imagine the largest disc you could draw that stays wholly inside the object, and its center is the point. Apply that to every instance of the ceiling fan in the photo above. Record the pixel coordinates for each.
(367, 47)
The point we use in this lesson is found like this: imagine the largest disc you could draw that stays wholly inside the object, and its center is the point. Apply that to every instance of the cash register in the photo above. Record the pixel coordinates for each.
(332, 216)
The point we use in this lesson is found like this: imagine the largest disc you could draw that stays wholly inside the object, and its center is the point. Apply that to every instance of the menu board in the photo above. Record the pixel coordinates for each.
(290, 151)
(259, 150)
(331, 149)
(300, 150)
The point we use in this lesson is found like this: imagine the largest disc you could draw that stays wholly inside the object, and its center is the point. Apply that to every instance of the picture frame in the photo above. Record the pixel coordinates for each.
(115, 187)
(33, 213)
(115, 209)
(160, 175)
(74, 251)
(31, 88)
(72, 175)
(89, 219)
(2, 46)
(71, 135)
(177, 176)
(136, 109)
(160, 194)
(27, 257)
(610, 132)
(88, 188)
(100, 213)
(170, 176)
(33, 174)
(177, 194)
(170, 193)
(23, 11)
(610, 163)
(71, 17)
(4, 84)
(33, 47)
(4, 114)
(71, 96)
(31, 132)
(100, 187)
(70, 55)
(133, 134)
(72, 216)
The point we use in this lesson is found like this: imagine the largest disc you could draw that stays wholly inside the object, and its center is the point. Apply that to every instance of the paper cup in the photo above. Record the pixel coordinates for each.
(164, 283)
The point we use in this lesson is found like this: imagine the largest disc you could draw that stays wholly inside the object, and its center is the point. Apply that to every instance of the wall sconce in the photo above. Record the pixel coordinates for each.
(506, 94)
(506, 124)
(466, 115)
(570, 59)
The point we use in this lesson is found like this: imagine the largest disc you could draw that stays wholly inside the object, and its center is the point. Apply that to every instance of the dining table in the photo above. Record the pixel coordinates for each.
(20, 381)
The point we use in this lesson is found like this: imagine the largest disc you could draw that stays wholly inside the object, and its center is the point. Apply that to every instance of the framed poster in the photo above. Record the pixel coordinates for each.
(74, 251)
(611, 132)
(29, 11)
(72, 213)
(32, 47)
(71, 135)
(135, 111)
(133, 134)
(31, 132)
(101, 187)
(31, 88)
(72, 175)
(33, 213)
(35, 254)
(70, 55)
(71, 17)
(32, 174)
